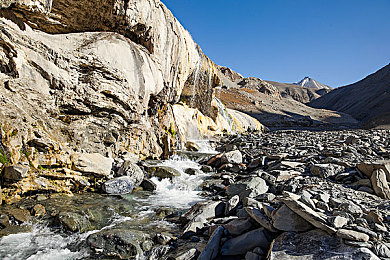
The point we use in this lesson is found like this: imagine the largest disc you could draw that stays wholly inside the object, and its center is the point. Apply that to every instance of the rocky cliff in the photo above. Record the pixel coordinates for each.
(99, 78)
(366, 100)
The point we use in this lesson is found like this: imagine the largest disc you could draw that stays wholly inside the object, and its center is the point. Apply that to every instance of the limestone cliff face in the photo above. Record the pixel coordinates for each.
(147, 23)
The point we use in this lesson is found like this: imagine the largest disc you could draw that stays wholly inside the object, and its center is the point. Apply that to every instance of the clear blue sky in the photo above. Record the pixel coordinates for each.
(337, 42)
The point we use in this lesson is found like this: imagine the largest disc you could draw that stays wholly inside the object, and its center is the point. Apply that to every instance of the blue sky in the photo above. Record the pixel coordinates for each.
(337, 42)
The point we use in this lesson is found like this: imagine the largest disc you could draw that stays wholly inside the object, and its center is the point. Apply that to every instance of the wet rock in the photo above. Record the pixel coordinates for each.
(315, 245)
(326, 170)
(246, 242)
(206, 168)
(162, 172)
(120, 185)
(234, 157)
(191, 146)
(15, 172)
(92, 163)
(238, 226)
(21, 215)
(380, 184)
(191, 171)
(163, 239)
(125, 244)
(39, 210)
(250, 187)
(4, 221)
(212, 248)
(148, 185)
(131, 170)
(286, 220)
(15, 230)
(352, 235)
(74, 222)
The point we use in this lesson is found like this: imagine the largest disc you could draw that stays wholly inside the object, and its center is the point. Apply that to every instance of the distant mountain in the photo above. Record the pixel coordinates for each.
(367, 100)
(297, 92)
(308, 82)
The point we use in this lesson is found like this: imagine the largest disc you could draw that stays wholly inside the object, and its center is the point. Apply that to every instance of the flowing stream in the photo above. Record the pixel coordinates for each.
(44, 239)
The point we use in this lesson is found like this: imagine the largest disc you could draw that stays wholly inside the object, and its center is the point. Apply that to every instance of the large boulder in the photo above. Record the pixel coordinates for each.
(15, 172)
(120, 185)
(93, 163)
(133, 171)
(250, 187)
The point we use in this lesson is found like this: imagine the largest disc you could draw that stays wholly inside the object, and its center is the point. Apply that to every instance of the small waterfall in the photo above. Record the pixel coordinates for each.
(225, 114)
(199, 66)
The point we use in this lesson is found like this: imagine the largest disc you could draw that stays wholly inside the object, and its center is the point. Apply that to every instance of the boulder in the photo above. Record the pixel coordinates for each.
(238, 226)
(246, 242)
(338, 221)
(311, 216)
(120, 185)
(369, 167)
(15, 172)
(315, 245)
(232, 157)
(162, 172)
(92, 163)
(204, 210)
(133, 171)
(285, 219)
(380, 184)
(148, 185)
(122, 243)
(250, 187)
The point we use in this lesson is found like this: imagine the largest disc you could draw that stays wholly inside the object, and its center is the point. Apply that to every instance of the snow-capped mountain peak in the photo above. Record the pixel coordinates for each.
(308, 82)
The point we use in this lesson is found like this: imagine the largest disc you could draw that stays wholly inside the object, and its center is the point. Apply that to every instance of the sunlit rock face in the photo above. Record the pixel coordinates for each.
(97, 77)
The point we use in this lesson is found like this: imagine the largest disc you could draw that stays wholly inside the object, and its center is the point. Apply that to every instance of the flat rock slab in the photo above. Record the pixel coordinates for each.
(315, 245)
(287, 220)
(92, 163)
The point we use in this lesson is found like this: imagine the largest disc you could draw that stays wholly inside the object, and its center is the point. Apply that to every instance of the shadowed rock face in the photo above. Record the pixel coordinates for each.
(366, 100)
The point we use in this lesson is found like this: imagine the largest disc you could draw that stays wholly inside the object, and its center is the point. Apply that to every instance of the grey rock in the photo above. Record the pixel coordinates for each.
(311, 216)
(15, 172)
(369, 167)
(120, 185)
(212, 248)
(260, 218)
(246, 242)
(232, 204)
(252, 256)
(192, 171)
(163, 171)
(299, 246)
(133, 171)
(380, 184)
(306, 198)
(352, 235)
(382, 250)
(125, 244)
(326, 170)
(189, 255)
(206, 168)
(232, 157)
(204, 210)
(351, 208)
(92, 163)
(337, 221)
(238, 226)
(287, 220)
(250, 187)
